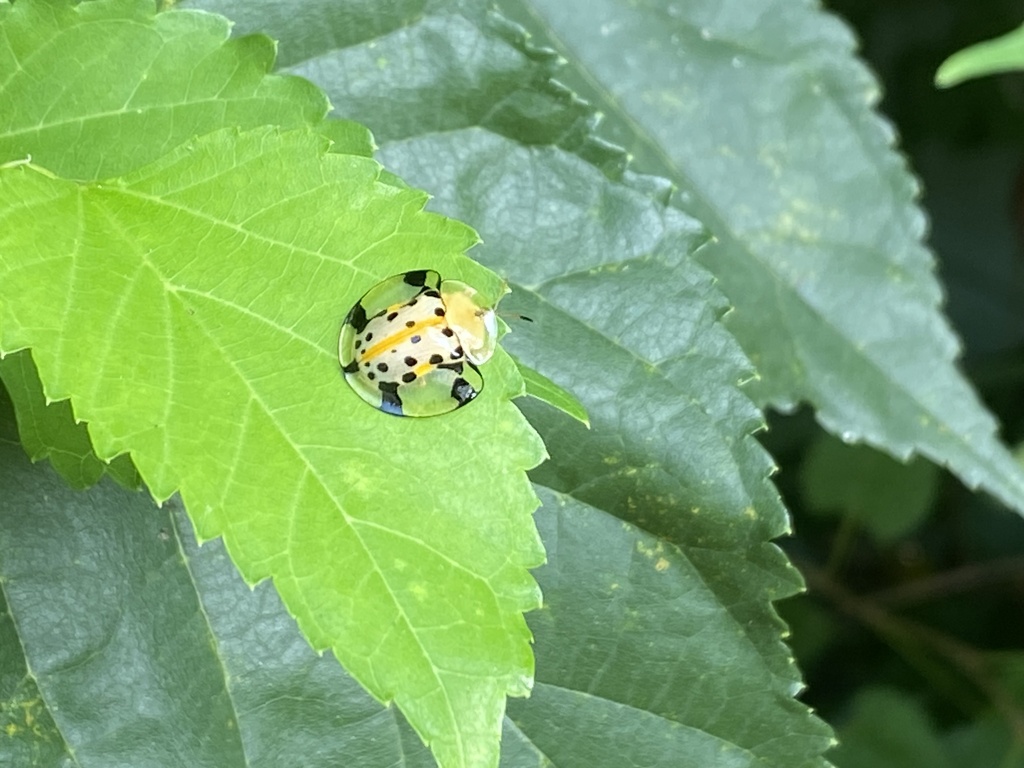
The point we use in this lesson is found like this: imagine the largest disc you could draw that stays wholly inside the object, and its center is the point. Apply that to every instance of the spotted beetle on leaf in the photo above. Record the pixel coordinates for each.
(411, 345)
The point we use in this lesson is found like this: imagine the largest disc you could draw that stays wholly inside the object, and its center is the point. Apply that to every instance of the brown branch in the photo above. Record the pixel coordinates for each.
(963, 579)
(971, 662)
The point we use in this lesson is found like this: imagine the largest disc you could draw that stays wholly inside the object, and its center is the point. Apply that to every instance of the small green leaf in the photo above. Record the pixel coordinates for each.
(542, 388)
(1000, 54)
(190, 311)
(49, 430)
(887, 497)
(888, 729)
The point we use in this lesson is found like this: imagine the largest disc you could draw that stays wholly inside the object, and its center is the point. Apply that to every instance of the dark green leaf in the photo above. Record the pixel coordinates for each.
(765, 120)
(888, 498)
(146, 650)
(626, 321)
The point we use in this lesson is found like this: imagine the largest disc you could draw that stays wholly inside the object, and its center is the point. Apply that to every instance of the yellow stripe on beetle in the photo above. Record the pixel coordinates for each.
(411, 345)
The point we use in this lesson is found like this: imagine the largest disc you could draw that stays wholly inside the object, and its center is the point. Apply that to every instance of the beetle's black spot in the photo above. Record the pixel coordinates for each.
(457, 367)
(366, 364)
(416, 277)
(392, 316)
(382, 367)
(439, 311)
(390, 402)
(432, 294)
(368, 336)
(462, 391)
(416, 339)
(371, 376)
(357, 317)
(407, 377)
(410, 361)
(410, 323)
(412, 303)
(351, 367)
(359, 343)
(458, 352)
(436, 359)
(448, 332)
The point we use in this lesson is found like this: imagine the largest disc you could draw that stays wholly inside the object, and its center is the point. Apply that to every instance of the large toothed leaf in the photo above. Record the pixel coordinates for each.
(95, 89)
(190, 312)
(151, 82)
(761, 114)
(108, 602)
(627, 321)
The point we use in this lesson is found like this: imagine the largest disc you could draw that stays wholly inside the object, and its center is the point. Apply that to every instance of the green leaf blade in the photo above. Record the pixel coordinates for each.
(172, 352)
(670, 448)
(819, 249)
(669, 451)
(637, 614)
(93, 90)
(540, 387)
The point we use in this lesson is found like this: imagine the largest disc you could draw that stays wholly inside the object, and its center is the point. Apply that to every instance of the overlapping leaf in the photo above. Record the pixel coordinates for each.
(195, 296)
(163, 80)
(669, 451)
(48, 430)
(156, 619)
(762, 116)
(626, 321)
(190, 312)
(96, 89)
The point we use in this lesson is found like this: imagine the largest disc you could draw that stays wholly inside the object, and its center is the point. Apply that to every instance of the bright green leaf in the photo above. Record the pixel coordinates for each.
(760, 113)
(1001, 54)
(97, 89)
(190, 311)
(542, 388)
(160, 81)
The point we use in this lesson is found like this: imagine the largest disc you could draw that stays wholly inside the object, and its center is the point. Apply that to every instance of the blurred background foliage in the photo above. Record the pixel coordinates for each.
(912, 634)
